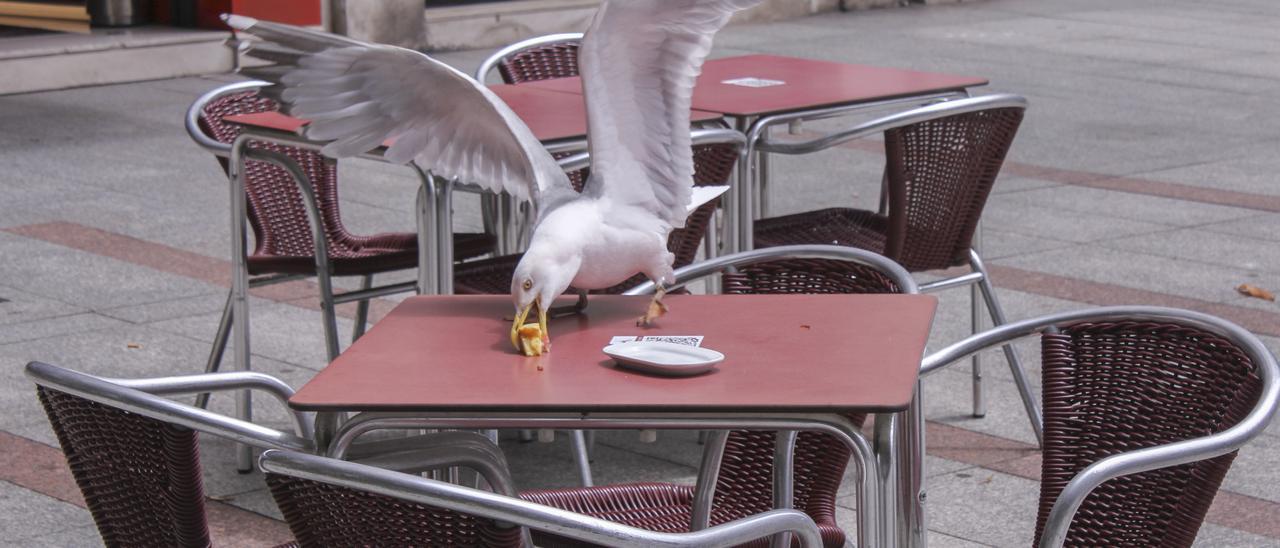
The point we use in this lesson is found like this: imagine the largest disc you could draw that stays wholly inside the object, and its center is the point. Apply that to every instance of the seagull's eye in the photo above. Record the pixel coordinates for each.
(528, 284)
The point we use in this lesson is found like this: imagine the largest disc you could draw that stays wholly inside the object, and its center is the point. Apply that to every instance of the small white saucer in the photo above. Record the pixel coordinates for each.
(664, 358)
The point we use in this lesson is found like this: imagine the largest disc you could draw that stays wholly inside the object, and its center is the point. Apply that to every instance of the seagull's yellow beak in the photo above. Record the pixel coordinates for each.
(519, 322)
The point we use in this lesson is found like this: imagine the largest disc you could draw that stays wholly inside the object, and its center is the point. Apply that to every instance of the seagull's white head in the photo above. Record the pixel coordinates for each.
(539, 278)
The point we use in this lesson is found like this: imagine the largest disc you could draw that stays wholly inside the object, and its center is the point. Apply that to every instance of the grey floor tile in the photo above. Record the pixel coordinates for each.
(29, 514)
(1143, 271)
(19, 306)
(1245, 254)
(84, 536)
(1216, 535)
(984, 507)
(89, 280)
(1122, 205)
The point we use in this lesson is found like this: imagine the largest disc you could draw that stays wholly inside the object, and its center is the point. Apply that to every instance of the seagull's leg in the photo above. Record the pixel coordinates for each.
(656, 308)
(575, 308)
(661, 274)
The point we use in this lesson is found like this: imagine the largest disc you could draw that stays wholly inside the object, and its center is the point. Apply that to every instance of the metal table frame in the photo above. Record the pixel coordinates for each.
(877, 461)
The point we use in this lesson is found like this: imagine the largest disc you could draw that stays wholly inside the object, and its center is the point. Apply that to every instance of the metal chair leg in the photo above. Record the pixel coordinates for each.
(362, 310)
(219, 348)
(580, 455)
(330, 319)
(1011, 355)
(975, 319)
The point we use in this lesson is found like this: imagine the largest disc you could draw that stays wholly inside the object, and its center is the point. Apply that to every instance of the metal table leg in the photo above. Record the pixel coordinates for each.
(427, 243)
(443, 206)
(240, 292)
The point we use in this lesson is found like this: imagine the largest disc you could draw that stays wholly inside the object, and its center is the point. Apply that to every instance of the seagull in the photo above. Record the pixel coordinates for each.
(638, 60)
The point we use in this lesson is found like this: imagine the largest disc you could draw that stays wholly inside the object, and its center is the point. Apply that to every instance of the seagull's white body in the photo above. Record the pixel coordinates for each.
(638, 62)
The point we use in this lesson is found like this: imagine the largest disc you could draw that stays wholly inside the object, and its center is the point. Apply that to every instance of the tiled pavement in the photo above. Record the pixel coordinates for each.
(1144, 174)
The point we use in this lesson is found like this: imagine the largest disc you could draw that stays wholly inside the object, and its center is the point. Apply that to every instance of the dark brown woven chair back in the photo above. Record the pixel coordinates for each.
(940, 174)
(140, 478)
(276, 209)
(558, 60)
(1113, 387)
(324, 515)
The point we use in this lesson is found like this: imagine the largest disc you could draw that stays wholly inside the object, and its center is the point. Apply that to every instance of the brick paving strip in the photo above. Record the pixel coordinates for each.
(303, 294)
(1132, 185)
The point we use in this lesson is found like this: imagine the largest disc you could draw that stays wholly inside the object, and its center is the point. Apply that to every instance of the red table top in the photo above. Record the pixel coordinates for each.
(806, 84)
(784, 353)
(551, 115)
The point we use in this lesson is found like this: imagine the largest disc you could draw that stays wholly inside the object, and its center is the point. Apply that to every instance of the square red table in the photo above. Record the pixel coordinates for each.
(550, 115)
(790, 83)
(784, 353)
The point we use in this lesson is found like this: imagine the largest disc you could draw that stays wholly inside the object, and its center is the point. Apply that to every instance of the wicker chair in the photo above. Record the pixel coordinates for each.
(941, 162)
(1144, 411)
(329, 502)
(738, 465)
(538, 58)
(284, 247)
(715, 152)
(138, 469)
(135, 455)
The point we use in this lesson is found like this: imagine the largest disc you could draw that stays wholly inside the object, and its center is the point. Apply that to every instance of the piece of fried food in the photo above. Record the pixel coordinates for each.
(533, 342)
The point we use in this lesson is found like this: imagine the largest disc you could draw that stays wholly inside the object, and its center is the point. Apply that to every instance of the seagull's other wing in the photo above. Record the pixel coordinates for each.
(361, 96)
(639, 60)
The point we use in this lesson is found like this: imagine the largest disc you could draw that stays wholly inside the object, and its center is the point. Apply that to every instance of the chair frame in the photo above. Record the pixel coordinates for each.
(977, 278)
(142, 397)
(527, 514)
(1142, 460)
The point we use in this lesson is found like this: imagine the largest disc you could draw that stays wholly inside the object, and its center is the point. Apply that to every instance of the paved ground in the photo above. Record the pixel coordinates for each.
(1144, 174)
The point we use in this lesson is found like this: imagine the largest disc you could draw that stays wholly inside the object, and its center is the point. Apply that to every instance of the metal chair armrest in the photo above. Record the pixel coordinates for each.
(154, 407)
(304, 423)
(192, 118)
(512, 510)
(702, 269)
(877, 126)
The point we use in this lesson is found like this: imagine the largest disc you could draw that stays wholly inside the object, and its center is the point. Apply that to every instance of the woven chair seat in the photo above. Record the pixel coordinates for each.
(358, 256)
(834, 226)
(662, 507)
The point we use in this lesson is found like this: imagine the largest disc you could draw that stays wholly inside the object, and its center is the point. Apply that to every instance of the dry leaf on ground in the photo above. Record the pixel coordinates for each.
(1256, 292)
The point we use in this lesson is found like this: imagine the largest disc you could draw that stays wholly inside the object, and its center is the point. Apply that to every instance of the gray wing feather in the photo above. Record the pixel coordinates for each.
(639, 61)
(361, 96)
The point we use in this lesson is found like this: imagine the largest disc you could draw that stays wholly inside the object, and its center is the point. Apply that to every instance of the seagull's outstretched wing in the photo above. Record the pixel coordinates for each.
(361, 96)
(639, 60)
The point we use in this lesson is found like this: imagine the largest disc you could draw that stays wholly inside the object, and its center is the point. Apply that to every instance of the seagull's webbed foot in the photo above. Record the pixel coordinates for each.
(656, 308)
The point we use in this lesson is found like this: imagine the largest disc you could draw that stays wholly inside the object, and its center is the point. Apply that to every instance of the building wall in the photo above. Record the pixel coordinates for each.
(493, 24)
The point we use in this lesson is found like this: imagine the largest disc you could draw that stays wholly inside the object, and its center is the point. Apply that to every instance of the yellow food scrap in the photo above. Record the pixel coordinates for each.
(532, 341)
